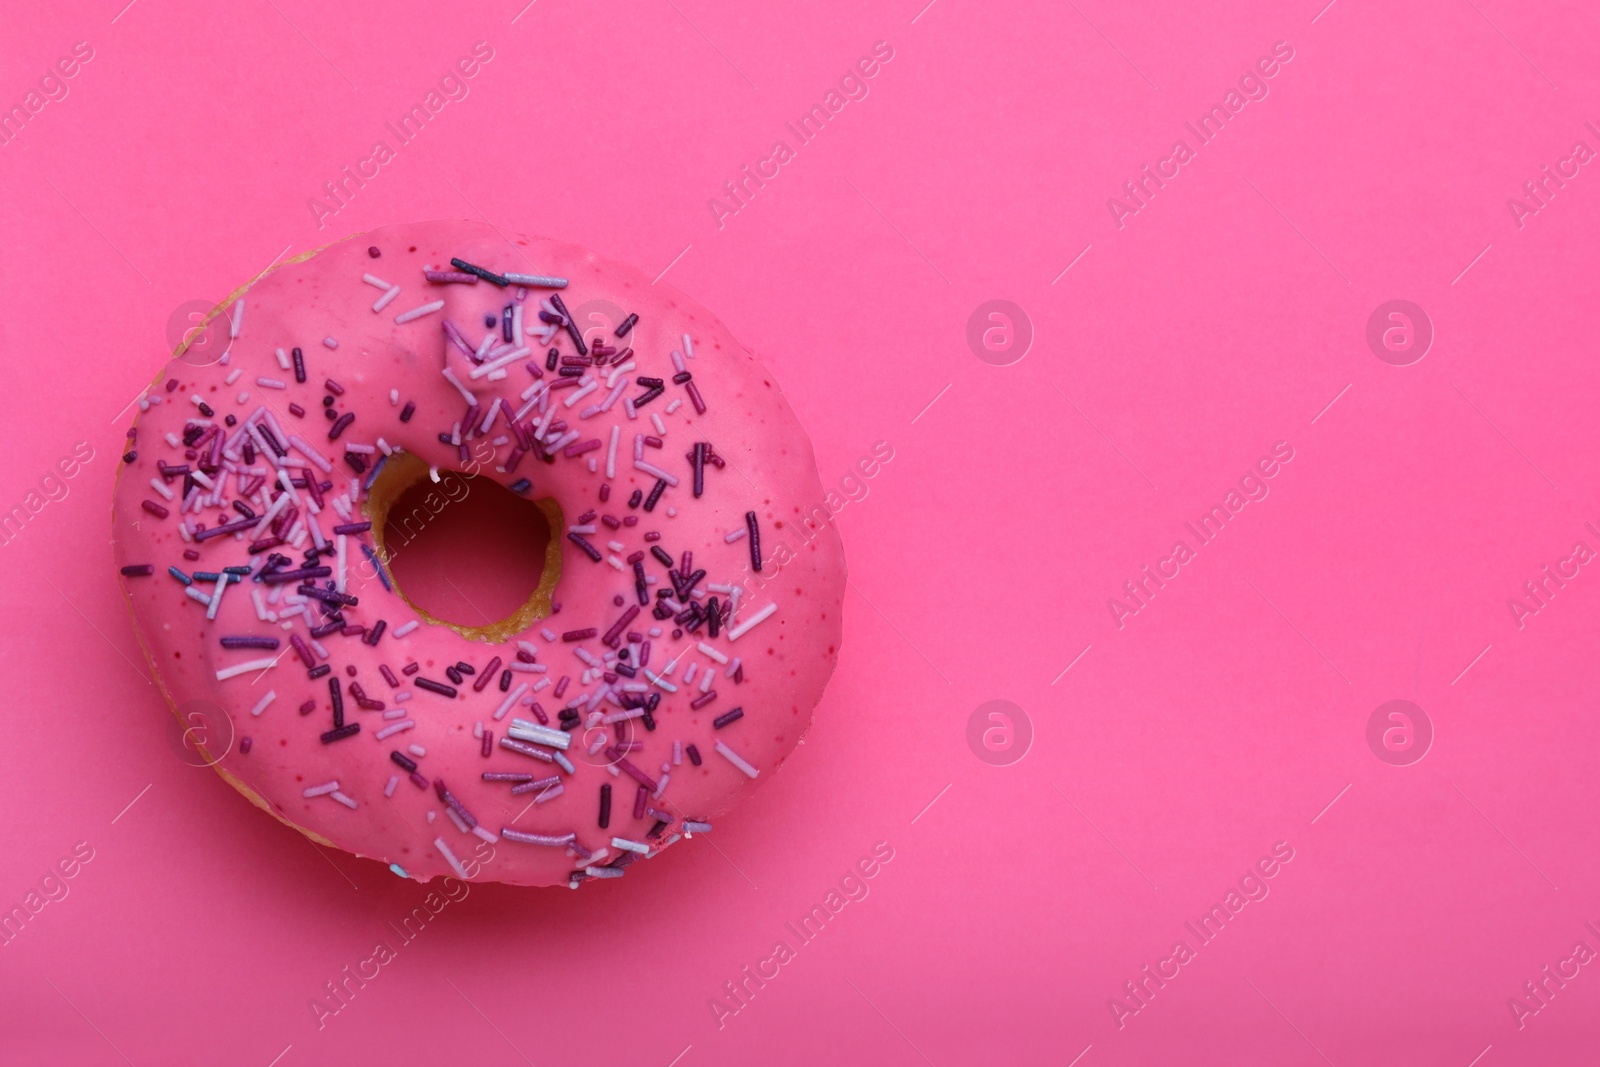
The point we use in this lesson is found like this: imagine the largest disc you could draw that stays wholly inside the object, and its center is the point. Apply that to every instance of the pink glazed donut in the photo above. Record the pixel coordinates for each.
(661, 669)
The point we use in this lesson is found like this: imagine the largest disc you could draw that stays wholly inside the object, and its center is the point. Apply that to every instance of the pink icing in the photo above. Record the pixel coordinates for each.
(787, 656)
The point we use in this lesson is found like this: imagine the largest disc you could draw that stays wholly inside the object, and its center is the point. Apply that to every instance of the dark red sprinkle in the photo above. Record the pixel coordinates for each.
(487, 676)
(318, 671)
(388, 676)
(160, 512)
(726, 717)
(339, 425)
(755, 540)
(407, 411)
(244, 746)
(655, 494)
(403, 761)
(693, 754)
(139, 570)
(341, 732)
(373, 251)
(589, 550)
(308, 707)
(505, 681)
(436, 687)
(640, 799)
(488, 743)
(580, 635)
(410, 668)
(605, 806)
(299, 366)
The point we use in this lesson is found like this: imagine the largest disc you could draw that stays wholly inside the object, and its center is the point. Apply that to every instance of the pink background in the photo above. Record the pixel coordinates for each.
(1226, 716)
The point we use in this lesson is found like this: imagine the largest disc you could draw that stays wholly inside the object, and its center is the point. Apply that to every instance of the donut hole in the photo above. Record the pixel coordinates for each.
(464, 551)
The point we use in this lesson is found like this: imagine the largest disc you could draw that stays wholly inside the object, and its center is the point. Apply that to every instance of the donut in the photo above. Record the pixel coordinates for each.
(686, 619)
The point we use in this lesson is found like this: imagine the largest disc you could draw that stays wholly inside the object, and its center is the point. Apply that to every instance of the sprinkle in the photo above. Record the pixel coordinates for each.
(745, 627)
(555, 841)
(734, 758)
(261, 705)
(138, 570)
(339, 733)
(736, 534)
(524, 730)
(245, 668)
(417, 312)
(238, 319)
(348, 802)
(690, 828)
(755, 540)
(625, 325)
(631, 846)
(514, 696)
(271, 383)
(588, 549)
(391, 730)
(331, 342)
(604, 872)
(523, 749)
(536, 280)
(405, 628)
(465, 392)
(321, 790)
(688, 346)
(712, 652)
(487, 275)
(153, 508)
(727, 717)
(448, 276)
(436, 687)
(548, 794)
(450, 857)
(299, 365)
(388, 791)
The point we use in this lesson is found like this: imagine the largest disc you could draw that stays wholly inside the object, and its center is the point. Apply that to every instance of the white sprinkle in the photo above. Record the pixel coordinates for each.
(283, 359)
(582, 391)
(321, 790)
(677, 361)
(238, 319)
(735, 759)
(244, 668)
(677, 402)
(394, 780)
(417, 312)
(688, 346)
(416, 750)
(261, 705)
(233, 376)
(372, 279)
(549, 793)
(331, 342)
(659, 680)
(449, 856)
(515, 695)
(385, 300)
(155, 483)
(389, 731)
(661, 427)
(745, 627)
(341, 798)
(655, 472)
(631, 846)
(604, 872)
(465, 392)
(216, 596)
(268, 383)
(394, 398)
(339, 563)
